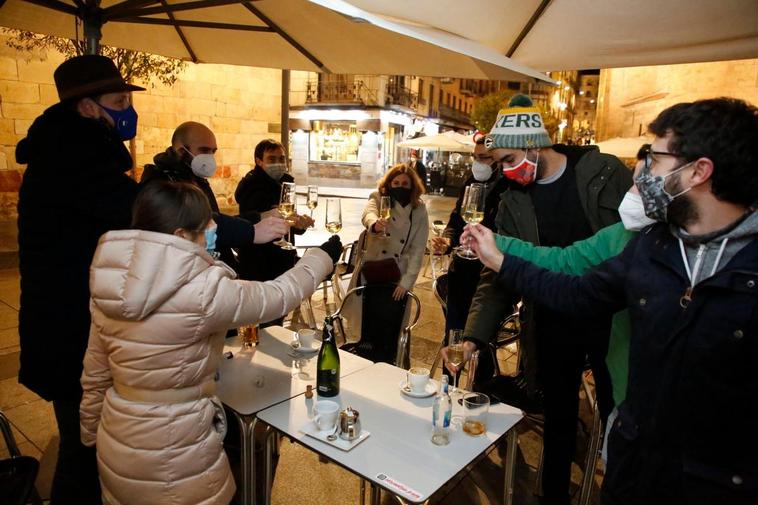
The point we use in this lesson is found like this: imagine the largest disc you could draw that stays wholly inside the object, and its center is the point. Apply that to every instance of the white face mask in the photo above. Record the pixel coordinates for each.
(203, 165)
(481, 171)
(275, 170)
(632, 212)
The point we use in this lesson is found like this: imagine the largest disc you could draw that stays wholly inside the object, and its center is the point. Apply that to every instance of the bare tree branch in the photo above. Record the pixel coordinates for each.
(133, 65)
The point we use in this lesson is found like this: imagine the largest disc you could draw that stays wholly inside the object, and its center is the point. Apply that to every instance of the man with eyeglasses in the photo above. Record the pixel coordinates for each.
(686, 432)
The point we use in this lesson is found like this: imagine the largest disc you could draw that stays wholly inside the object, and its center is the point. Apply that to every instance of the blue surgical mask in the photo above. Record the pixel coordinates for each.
(210, 239)
(125, 120)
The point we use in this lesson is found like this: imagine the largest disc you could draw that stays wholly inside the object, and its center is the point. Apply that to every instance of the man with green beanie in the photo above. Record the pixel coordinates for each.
(558, 195)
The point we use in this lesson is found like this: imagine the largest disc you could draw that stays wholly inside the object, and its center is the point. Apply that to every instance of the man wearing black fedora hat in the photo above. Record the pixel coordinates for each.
(75, 188)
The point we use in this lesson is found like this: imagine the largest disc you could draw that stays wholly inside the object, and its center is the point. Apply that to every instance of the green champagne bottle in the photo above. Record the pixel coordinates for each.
(328, 366)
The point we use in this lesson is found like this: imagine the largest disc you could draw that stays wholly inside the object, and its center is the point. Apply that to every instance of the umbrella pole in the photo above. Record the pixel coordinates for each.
(92, 16)
(285, 110)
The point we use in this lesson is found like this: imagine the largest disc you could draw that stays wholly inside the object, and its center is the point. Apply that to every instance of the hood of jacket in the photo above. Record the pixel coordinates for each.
(134, 271)
(169, 163)
(60, 138)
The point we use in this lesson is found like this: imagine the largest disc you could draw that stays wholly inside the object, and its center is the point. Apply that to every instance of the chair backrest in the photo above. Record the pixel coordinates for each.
(402, 358)
(440, 286)
(10, 440)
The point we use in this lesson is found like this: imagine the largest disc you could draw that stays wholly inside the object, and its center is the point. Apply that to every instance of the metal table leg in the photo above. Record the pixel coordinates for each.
(246, 425)
(269, 441)
(375, 498)
(509, 466)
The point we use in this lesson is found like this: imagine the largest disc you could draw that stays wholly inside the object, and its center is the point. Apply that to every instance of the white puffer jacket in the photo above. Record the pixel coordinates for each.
(160, 310)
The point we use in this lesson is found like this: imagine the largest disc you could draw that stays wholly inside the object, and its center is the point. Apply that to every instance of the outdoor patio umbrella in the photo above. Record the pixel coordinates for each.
(583, 34)
(314, 35)
(440, 142)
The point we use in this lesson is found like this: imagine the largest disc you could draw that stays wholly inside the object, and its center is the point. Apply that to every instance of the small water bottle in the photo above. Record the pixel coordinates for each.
(441, 413)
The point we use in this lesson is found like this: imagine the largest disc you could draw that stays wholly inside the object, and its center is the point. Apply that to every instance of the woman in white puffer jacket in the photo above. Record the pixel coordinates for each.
(161, 307)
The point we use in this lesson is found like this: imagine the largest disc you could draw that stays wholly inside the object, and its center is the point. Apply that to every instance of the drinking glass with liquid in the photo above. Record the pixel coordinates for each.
(333, 220)
(385, 212)
(287, 209)
(475, 409)
(455, 354)
(472, 211)
(312, 201)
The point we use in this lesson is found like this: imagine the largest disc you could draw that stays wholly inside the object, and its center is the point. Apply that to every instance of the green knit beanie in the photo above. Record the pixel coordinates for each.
(518, 126)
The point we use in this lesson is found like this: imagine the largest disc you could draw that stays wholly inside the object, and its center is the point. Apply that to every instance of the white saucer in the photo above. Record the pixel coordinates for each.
(305, 350)
(312, 430)
(300, 355)
(431, 388)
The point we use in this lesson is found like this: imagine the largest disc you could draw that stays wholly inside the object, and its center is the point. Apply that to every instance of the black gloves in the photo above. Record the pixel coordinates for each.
(333, 247)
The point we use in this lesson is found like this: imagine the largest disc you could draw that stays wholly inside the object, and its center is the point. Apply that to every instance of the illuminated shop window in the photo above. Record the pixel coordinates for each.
(334, 141)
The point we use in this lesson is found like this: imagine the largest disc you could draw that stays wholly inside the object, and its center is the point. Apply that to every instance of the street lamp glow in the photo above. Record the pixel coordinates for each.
(562, 105)
(567, 87)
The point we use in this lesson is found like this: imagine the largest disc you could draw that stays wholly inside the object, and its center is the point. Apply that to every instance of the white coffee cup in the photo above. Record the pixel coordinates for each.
(325, 414)
(418, 378)
(306, 337)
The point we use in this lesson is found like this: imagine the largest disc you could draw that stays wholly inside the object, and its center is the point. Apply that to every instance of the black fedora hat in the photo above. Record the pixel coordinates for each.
(89, 75)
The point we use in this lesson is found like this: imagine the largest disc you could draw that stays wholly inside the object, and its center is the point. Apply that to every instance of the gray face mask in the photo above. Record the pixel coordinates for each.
(275, 170)
(653, 192)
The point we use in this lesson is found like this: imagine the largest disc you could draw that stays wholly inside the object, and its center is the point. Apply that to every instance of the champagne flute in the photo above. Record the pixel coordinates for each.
(385, 212)
(455, 354)
(472, 211)
(312, 201)
(286, 209)
(333, 220)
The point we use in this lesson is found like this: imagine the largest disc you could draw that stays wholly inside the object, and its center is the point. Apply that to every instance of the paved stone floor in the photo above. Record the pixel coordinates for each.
(301, 478)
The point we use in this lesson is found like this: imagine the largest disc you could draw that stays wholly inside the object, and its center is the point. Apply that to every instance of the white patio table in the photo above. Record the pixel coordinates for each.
(257, 378)
(398, 456)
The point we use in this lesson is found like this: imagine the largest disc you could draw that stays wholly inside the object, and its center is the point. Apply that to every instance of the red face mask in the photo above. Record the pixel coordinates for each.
(524, 173)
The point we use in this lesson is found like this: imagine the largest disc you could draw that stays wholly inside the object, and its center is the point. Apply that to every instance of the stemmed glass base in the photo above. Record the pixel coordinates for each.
(467, 254)
(284, 244)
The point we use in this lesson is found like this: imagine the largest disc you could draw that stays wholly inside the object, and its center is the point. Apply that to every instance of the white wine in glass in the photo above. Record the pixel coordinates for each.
(472, 211)
(385, 212)
(286, 209)
(333, 220)
(312, 201)
(455, 354)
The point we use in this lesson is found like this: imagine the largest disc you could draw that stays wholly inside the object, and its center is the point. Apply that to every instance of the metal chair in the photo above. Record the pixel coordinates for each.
(17, 473)
(402, 357)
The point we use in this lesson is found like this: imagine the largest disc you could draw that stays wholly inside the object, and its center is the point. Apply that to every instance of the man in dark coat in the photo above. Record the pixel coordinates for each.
(557, 195)
(416, 164)
(259, 192)
(690, 283)
(191, 159)
(74, 189)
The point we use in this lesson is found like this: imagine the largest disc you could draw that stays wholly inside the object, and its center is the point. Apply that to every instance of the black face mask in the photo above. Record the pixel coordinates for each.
(400, 195)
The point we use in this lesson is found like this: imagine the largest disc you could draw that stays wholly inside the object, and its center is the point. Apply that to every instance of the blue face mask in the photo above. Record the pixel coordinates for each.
(125, 120)
(210, 239)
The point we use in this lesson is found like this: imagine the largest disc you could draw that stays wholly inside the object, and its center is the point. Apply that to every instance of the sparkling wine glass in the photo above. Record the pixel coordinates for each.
(472, 211)
(455, 354)
(385, 212)
(312, 201)
(333, 220)
(287, 201)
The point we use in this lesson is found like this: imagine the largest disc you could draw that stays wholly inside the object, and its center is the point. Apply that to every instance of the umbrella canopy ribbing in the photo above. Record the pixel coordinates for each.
(313, 35)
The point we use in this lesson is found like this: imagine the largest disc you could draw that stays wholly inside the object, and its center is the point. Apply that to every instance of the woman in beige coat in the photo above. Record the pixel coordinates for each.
(384, 306)
(161, 307)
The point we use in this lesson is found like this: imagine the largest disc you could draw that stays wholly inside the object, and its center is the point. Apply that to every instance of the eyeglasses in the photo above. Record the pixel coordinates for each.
(649, 156)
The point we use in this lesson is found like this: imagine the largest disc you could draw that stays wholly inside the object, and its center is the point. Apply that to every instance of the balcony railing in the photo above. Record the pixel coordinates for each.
(403, 97)
(446, 112)
(355, 92)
